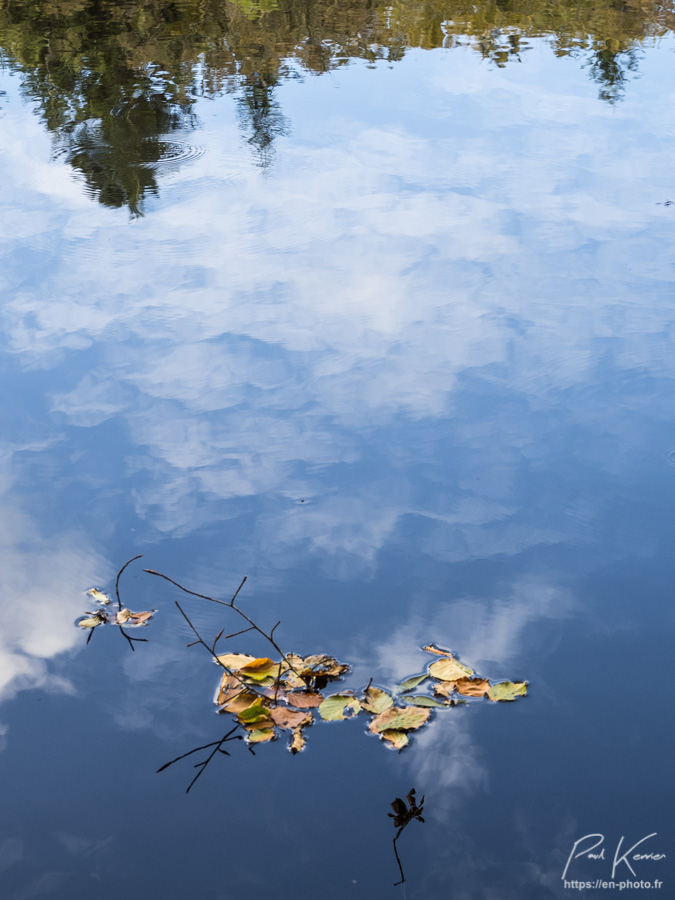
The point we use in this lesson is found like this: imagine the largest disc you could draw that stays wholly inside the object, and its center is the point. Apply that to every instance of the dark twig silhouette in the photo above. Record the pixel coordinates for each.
(402, 817)
(217, 748)
(231, 603)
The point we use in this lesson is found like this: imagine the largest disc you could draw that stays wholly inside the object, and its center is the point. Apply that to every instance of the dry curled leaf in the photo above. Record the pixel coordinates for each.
(98, 596)
(432, 648)
(298, 742)
(472, 687)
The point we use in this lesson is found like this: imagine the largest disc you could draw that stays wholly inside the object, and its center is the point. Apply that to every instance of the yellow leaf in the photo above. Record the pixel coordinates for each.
(234, 661)
(397, 739)
(398, 718)
(448, 669)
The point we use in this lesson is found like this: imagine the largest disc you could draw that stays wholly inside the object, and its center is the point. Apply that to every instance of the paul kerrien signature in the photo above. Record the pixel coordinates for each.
(581, 848)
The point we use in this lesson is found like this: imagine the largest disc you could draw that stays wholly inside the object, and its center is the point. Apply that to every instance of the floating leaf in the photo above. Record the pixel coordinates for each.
(91, 620)
(444, 688)
(292, 680)
(260, 735)
(432, 648)
(376, 701)
(261, 669)
(123, 616)
(98, 596)
(472, 687)
(324, 665)
(255, 712)
(339, 706)
(507, 690)
(411, 683)
(134, 619)
(234, 661)
(448, 669)
(241, 701)
(290, 718)
(422, 700)
(298, 742)
(230, 686)
(399, 718)
(397, 739)
(304, 700)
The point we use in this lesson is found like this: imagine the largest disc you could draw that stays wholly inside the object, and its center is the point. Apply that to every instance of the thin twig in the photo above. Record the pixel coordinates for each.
(217, 747)
(211, 651)
(269, 637)
(117, 580)
(132, 639)
(400, 867)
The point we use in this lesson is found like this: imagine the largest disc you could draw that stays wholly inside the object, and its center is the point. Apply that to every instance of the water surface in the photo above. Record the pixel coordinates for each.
(373, 305)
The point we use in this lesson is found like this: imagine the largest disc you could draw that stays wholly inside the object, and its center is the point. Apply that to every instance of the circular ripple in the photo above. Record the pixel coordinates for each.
(177, 152)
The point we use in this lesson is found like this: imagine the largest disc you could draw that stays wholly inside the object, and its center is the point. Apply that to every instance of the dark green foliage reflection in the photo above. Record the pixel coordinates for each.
(113, 80)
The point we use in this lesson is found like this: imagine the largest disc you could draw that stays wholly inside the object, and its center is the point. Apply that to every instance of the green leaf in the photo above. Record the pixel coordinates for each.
(376, 701)
(422, 700)
(448, 669)
(507, 690)
(411, 683)
(398, 718)
(260, 735)
(339, 706)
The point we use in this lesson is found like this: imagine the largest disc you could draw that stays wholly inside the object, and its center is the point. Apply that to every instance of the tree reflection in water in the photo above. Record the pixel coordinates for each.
(112, 79)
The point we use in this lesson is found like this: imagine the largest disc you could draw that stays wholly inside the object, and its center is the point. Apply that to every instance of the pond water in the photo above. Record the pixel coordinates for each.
(373, 305)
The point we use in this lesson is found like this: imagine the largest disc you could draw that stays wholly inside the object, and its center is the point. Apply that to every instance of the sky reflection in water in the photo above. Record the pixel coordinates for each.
(443, 320)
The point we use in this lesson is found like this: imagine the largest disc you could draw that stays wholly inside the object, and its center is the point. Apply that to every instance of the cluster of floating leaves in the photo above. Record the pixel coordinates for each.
(103, 616)
(265, 696)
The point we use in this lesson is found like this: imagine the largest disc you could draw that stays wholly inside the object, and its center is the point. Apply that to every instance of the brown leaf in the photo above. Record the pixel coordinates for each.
(432, 648)
(239, 702)
(298, 742)
(304, 699)
(229, 687)
(472, 687)
(290, 718)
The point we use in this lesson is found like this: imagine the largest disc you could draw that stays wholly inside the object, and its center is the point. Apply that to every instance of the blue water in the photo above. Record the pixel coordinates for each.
(414, 379)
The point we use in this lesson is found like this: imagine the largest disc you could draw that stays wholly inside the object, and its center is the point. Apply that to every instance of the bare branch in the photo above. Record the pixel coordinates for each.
(117, 580)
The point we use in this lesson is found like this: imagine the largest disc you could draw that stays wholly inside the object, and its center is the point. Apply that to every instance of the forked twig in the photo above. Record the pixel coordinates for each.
(217, 747)
(231, 603)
